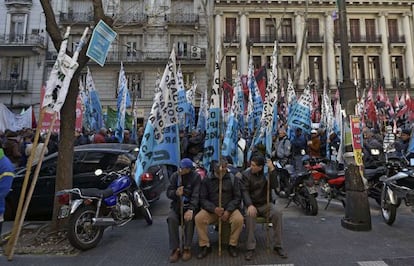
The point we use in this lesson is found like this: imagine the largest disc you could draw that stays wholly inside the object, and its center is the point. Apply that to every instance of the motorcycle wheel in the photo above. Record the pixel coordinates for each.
(81, 233)
(147, 215)
(388, 210)
(311, 206)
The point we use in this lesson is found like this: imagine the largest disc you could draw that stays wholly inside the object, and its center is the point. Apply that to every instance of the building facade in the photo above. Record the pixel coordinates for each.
(147, 30)
(380, 40)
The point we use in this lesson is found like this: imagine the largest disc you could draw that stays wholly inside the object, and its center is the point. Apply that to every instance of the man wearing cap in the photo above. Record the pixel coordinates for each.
(314, 145)
(228, 210)
(6, 180)
(184, 192)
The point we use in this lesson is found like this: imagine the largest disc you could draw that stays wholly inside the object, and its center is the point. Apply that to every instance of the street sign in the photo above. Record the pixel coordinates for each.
(101, 40)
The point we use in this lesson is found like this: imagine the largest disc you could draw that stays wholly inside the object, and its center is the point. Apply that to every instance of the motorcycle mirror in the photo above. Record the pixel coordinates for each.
(375, 152)
(98, 172)
(302, 152)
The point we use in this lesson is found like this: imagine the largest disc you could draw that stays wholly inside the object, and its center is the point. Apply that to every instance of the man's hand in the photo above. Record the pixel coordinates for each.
(225, 216)
(270, 165)
(188, 215)
(180, 191)
(252, 211)
(219, 211)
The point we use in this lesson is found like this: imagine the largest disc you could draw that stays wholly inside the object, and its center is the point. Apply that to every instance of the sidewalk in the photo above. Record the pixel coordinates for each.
(318, 240)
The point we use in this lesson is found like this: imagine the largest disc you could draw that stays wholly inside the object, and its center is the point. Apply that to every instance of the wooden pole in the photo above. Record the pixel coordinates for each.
(268, 212)
(24, 185)
(220, 196)
(13, 241)
(182, 214)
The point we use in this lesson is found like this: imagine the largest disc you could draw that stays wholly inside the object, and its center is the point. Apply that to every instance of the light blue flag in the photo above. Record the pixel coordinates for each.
(160, 143)
(182, 101)
(300, 117)
(255, 100)
(212, 138)
(96, 110)
(121, 104)
(203, 114)
(230, 139)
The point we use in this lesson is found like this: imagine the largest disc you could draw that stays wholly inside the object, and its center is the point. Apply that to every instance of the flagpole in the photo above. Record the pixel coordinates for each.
(13, 241)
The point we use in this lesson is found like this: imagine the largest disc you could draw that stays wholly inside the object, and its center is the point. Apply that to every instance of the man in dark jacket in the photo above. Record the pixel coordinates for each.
(257, 197)
(211, 210)
(184, 192)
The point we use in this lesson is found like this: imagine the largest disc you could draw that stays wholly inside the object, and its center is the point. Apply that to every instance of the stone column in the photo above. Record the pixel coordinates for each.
(300, 22)
(244, 56)
(409, 63)
(330, 63)
(385, 59)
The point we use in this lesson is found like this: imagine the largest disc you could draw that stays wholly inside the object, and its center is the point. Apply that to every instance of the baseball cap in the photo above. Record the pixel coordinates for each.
(186, 163)
(313, 131)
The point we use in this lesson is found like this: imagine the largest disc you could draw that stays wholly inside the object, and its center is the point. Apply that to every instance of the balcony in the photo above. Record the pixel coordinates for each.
(315, 39)
(18, 3)
(21, 44)
(365, 39)
(152, 57)
(182, 19)
(8, 86)
(235, 39)
(132, 18)
(71, 18)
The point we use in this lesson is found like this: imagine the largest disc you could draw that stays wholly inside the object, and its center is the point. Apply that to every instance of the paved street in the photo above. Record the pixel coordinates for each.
(319, 240)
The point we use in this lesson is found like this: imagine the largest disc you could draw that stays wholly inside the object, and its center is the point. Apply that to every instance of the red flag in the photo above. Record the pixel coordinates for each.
(380, 94)
(388, 106)
(261, 80)
(396, 100)
(228, 96)
(316, 114)
(372, 112)
(34, 124)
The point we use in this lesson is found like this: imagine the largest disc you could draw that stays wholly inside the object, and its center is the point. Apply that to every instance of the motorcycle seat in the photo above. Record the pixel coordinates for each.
(98, 193)
(370, 173)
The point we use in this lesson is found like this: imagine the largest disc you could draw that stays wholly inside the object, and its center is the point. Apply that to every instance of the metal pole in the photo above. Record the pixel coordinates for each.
(357, 211)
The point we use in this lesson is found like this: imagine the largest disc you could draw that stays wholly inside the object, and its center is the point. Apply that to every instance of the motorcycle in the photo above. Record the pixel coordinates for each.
(372, 173)
(331, 179)
(300, 186)
(91, 210)
(396, 188)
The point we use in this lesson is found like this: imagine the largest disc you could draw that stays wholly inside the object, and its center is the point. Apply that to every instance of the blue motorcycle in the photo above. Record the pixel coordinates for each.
(91, 210)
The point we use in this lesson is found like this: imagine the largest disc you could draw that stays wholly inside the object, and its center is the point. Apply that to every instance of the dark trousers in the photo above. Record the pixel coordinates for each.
(174, 223)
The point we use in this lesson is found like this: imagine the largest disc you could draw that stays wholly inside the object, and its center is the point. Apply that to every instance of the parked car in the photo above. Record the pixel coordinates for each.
(86, 159)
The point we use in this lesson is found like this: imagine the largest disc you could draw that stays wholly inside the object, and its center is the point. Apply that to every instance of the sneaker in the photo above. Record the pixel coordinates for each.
(281, 252)
(175, 255)
(249, 254)
(233, 251)
(186, 254)
(204, 251)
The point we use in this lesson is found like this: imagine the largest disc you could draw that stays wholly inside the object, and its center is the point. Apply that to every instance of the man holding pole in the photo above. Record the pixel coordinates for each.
(256, 193)
(219, 185)
(184, 193)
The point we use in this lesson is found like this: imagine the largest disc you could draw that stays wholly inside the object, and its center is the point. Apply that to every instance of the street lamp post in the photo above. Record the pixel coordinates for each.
(357, 212)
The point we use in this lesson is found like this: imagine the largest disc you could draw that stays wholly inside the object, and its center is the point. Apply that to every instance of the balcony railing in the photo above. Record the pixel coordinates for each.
(361, 39)
(72, 17)
(13, 85)
(18, 2)
(231, 38)
(132, 17)
(23, 39)
(315, 39)
(396, 39)
(180, 19)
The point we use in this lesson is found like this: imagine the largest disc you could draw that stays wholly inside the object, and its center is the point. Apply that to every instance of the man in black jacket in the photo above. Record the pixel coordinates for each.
(255, 195)
(184, 192)
(211, 210)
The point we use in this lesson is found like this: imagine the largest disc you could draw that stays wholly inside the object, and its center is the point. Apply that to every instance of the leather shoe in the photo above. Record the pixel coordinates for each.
(233, 251)
(281, 252)
(204, 251)
(186, 254)
(249, 254)
(175, 255)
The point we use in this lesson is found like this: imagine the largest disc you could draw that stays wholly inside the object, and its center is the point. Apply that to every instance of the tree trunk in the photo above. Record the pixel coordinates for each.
(68, 111)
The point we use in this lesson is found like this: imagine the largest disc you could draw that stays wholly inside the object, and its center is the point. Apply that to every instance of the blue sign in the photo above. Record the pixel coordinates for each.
(101, 40)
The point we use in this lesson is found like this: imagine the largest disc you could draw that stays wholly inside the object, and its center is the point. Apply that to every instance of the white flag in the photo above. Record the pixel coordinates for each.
(58, 84)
